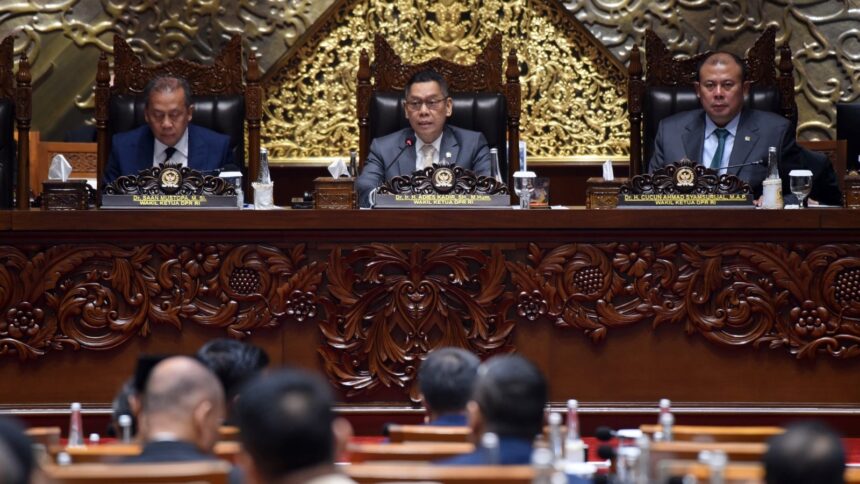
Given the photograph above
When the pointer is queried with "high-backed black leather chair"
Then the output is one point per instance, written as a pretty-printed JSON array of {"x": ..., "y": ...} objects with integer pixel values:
[
  {"x": 848, "y": 128},
  {"x": 224, "y": 99},
  {"x": 667, "y": 88},
  {"x": 15, "y": 111},
  {"x": 481, "y": 102}
]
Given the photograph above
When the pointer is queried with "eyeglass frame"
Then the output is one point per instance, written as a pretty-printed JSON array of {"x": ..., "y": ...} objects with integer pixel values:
[{"x": 416, "y": 105}]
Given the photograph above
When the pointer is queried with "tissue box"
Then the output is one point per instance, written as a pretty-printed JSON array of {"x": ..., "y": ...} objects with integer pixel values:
[
  {"x": 64, "y": 195},
  {"x": 602, "y": 194},
  {"x": 334, "y": 193}
]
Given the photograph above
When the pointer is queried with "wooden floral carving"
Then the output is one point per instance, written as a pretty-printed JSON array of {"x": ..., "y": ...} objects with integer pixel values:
[
  {"x": 100, "y": 296},
  {"x": 388, "y": 307},
  {"x": 802, "y": 298}
]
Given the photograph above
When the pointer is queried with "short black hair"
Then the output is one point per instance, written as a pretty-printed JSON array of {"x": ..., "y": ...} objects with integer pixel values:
[
  {"x": 740, "y": 62},
  {"x": 285, "y": 422},
  {"x": 427, "y": 75},
  {"x": 167, "y": 83},
  {"x": 511, "y": 393},
  {"x": 807, "y": 453},
  {"x": 18, "y": 452},
  {"x": 233, "y": 362},
  {"x": 446, "y": 379}
]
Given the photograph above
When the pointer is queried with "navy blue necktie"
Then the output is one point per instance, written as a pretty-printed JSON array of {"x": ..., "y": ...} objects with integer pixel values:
[{"x": 168, "y": 153}]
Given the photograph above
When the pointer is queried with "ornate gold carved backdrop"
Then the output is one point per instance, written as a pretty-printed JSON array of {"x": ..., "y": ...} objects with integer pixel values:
[
  {"x": 574, "y": 91},
  {"x": 824, "y": 36},
  {"x": 62, "y": 36}
]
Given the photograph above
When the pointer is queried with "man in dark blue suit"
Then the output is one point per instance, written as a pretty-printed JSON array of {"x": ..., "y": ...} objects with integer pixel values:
[
  {"x": 508, "y": 400},
  {"x": 446, "y": 379},
  {"x": 167, "y": 135}
]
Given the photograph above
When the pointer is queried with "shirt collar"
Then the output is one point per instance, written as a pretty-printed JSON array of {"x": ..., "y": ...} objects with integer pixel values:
[
  {"x": 732, "y": 125},
  {"x": 181, "y": 145},
  {"x": 437, "y": 143}
]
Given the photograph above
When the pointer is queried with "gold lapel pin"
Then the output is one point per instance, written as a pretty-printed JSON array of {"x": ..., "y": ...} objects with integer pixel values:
[{"x": 747, "y": 138}]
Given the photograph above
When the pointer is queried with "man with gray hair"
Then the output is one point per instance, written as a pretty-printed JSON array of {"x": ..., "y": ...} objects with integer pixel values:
[
  {"x": 167, "y": 136},
  {"x": 182, "y": 410}
]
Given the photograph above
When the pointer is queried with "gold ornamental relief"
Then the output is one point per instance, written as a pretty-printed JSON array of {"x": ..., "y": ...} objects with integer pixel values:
[
  {"x": 574, "y": 92},
  {"x": 823, "y": 35}
]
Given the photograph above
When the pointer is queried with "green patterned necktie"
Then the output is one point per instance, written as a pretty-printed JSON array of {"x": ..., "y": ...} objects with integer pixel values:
[{"x": 722, "y": 134}]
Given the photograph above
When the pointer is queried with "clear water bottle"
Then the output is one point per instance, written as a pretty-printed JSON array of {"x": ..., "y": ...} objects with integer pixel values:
[
  {"x": 574, "y": 447},
  {"x": 495, "y": 170},
  {"x": 490, "y": 444},
  {"x": 125, "y": 424},
  {"x": 76, "y": 428},
  {"x": 555, "y": 444},
  {"x": 264, "y": 177},
  {"x": 666, "y": 419}
]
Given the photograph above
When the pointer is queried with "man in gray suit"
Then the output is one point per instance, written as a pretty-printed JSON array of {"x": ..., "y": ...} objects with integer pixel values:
[
  {"x": 725, "y": 137},
  {"x": 428, "y": 140}
]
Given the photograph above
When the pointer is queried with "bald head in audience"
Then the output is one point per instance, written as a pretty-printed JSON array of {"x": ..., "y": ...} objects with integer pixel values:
[
  {"x": 807, "y": 453},
  {"x": 289, "y": 431},
  {"x": 183, "y": 401}
]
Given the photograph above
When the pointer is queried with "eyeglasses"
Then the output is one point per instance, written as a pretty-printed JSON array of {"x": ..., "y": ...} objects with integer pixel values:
[{"x": 432, "y": 104}]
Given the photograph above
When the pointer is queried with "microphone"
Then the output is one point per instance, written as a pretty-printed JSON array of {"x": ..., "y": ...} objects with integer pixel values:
[
  {"x": 756, "y": 162},
  {"x": 410, "y": 140}
]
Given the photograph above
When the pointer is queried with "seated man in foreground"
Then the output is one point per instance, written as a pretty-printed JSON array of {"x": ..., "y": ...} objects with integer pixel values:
[
  {"x": 446, "y": 379},
  {"x": 724, "y": 136},
  {"x": 289, "y": 431},
  {"x": 428, "y": 140},
  {"x": 807, "y": 453},
  {"x": 167, "y": 135},
  {"x": 182, "y": 410},
  {"x": 508, "y": 400}
]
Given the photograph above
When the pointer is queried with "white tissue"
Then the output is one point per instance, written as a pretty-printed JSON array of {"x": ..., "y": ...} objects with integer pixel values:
[
  {"x": 60, "y": 168},
  {"x": 608, "y": 175},
  {"x": 338, "y": 168}
]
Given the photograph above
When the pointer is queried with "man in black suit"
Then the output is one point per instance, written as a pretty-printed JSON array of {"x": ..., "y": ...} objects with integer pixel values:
[
  {"x": 182, "y": 410},
  {"x": 289, "y": 431}
]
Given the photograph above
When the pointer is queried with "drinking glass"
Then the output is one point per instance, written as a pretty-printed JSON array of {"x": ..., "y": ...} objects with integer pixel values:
[
  {"x": 800, "y": 182},
  {"x": 524, "y": 185},
  {"x": 263, "y": 195}
]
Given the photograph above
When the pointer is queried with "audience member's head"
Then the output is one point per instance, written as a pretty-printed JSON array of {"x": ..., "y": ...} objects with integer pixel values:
[
  {"x": 509, "y": 398},
  {"x": 16, "y": 455},
  {"x": 183, "y": 400},
  {"x": 427, "y": 104},
  {"x": 807, "y": 453},
  {"x": 446, "y": 379},
  {"x": 287, "y": 427},
  {"x": 233, "y": 362},
  {"x": 168, "y": 108}
]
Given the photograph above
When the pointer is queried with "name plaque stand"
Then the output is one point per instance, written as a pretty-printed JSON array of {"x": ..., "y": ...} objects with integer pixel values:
[
  {"x": 169, "y": 186},
  {"x": 685, "y": 184},
  {"x": 442, "y": 187}
]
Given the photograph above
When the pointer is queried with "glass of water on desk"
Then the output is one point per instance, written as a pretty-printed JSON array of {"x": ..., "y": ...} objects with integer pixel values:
[
  {"x": 800, "y": 182},
  {"x": 524, "y": 185}
]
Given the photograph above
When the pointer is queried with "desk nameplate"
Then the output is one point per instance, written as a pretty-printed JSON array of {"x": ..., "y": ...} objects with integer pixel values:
[
  {"x": 159, "y": 201},
  {"x": 685, "y": 200},
  {"x": 472, "y": 200}
]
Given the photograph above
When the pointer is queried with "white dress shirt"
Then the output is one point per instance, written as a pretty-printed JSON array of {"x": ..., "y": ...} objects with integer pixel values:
[
  {"x": 712, "y": 142},
  {"x": 180, "y": 157},
  {"x": 419, "y": 156}
]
